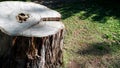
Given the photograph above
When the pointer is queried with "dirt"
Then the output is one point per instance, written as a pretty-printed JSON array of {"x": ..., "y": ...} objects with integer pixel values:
[{"x": 73, "y": 64}]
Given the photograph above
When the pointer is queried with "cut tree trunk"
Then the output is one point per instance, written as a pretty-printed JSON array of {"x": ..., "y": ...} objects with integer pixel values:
[
  {"x": 30, "y": 36},
  {"x": 31, "y": 52}
]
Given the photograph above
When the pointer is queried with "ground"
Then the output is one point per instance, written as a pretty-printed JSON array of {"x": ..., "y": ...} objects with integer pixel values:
[{"x": 92, "y": 36}]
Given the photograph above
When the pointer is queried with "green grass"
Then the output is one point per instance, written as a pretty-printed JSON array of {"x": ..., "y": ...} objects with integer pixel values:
[{"x": 92, "y": 36}]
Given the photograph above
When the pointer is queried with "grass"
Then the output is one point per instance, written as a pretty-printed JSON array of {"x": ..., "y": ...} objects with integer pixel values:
[{"x": 92, "y": 37}]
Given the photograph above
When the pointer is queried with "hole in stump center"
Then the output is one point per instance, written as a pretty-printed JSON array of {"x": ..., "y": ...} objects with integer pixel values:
[{"x": 21, "y": 17}]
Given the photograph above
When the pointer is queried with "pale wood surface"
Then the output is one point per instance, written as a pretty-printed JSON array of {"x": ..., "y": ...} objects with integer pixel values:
[
  {"x": 32, "y": 42},
  {"x": 33, "y": 26}
]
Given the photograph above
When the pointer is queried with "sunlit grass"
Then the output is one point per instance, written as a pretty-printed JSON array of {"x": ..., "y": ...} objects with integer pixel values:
[{"x": 91, "y": 36}]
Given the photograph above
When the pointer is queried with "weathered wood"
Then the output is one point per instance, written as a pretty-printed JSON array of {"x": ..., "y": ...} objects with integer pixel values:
[
  {"x": 17, "y": 17},
  {"x": 31, "y": 36},
  {"x": 32, "y": 52}
]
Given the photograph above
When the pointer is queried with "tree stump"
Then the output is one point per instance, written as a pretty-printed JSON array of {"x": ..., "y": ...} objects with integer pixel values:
[{"x": 31, "y": 36}]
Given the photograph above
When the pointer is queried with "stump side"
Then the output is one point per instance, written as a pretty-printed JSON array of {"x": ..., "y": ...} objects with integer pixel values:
[{"x": 32, "y": 52}]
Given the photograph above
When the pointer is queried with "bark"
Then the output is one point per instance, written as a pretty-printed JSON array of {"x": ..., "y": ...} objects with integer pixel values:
[
  {"x": 32, "y": 52},
  {"x": 31, "y": 36}
]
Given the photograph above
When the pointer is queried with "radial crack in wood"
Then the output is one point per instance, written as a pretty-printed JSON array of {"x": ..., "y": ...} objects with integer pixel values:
[
  {"x": 27, "y": 14},
  {"x": 31, "y": 36}
]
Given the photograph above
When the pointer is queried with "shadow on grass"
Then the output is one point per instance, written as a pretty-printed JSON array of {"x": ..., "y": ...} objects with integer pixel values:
[
  {"x": 100, "y": 49},
  {"x": 96, "y": 9},
  {"x": 13, "y": 0},
  {"x": 116, "y": 63}
]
